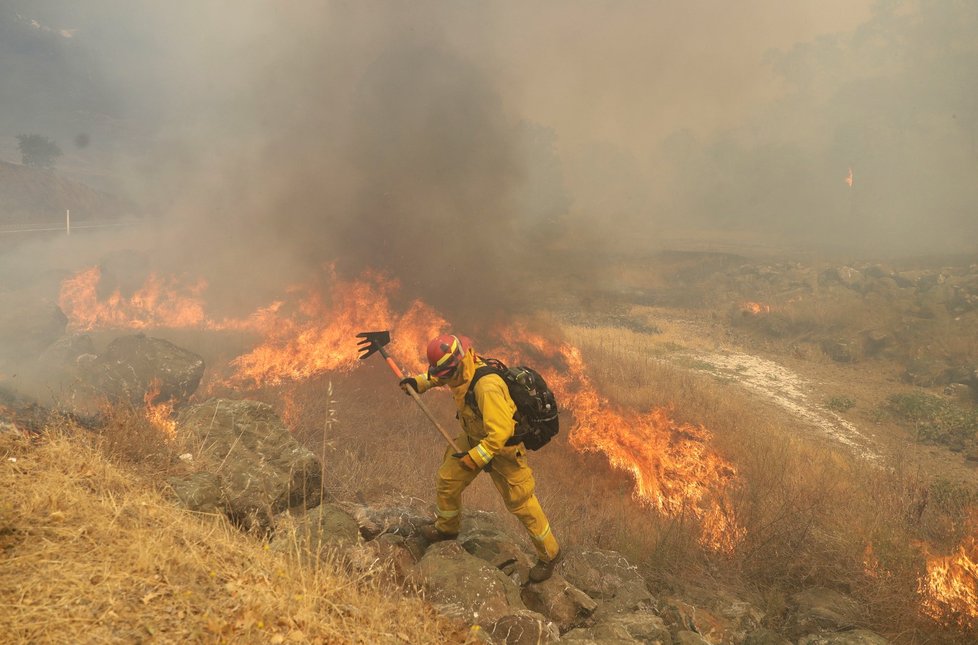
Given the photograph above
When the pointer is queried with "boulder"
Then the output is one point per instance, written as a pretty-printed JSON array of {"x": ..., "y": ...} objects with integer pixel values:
[
  {"x": 851, "y": 637},
  {"x": 684, "y": 637},
  {"x": 841, "y": 350},
  {"x": 764, "y": 636},
  {"x": 818, "y": 609},
  {"x": 606, "y": 634},
  {"x": 133, "y": 366},
  {"x": 401, "y": 515},
  {"x": 845, "y": 275},
  {"x": 559, "y": 601},
  {"x": 465, "y": 587},
  {"x": 498, "y": 549},
  {"x": 67, "y": 355},
  {"x": 327, "y": 525},
  {"x": 260, "y": 468},
  {"x": 397, "y": 554},
  {"x": 200, "y": 491},
  {"x": 925, "y": 372},
  {"x": 607, "y": 577},
  {"x": 522, "y": 627}
]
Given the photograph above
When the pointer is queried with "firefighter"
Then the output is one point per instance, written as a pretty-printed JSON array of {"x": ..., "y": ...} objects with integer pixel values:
[{"x": 452, "y": 363}]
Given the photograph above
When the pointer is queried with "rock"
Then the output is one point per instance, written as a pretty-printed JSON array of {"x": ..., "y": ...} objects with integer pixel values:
[
  {"x": 464, "y": 586},
  {"x": 328, "y": 525},
  {"x": 400, "y": 555},
  {"x": 874, "y": 342},
  {"x": 402, "y": 516},
  {"x": 845, "y": 275},
  {"x": 690, "y": 638},
  {"x": 764, "y": 636},
  {"x": 67, "y": 354},
  {"x": 853, "y": 637},
  {"x": 718, "y": 619},
  {"x": 132, "y": 366},
  {"x": 924, "y": 373},
  {"x": 522, "y": 627},
  {"x": 559, "y": 601},
  {"x": 199, "y": 491},
  {"x": 604, "y": 634},
  {"x": 644, "y": 626},
  {"x": 498, "y": 549},
  {"x": 262, "y": 470},
  {"x": 819, "y": 609},
  {"x": 841, "y": 350},
  {"x": 605, "y": 576}
]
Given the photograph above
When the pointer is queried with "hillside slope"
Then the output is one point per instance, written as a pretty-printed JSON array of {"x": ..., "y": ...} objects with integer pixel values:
[
  {"x": 31, "y": 195},
  {"x": 91, "y": 553}
]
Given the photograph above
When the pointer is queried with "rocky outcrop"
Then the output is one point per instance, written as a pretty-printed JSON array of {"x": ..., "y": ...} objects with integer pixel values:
[
  {"x": 132, "y": 366},
  {"x": 250, "y": 458},
  {"x": 464, "y": 586}
]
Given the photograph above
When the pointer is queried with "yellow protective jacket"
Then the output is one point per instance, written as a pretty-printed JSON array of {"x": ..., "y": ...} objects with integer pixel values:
[{"x": 488, "y": 432}]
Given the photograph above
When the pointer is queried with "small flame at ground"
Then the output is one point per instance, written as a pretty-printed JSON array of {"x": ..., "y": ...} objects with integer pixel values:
[
  {"x": 950, "y": 588},
  {"x": 755, "y": 308},
  {"x": 159, "y": 414}
]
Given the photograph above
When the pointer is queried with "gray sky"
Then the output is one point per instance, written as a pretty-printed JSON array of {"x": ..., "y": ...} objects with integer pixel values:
[{"x": 439, "y": 140}]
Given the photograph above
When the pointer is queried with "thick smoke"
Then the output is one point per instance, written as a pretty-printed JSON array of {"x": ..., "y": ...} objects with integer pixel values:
[{"x": 453, "y": 145}]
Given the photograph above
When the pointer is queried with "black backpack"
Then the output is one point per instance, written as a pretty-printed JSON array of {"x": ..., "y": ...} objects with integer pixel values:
[{"x": 536, "y": 408}]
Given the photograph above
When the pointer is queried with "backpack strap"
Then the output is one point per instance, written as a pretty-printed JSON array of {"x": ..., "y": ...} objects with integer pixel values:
[{"x": 492, "y": 366}]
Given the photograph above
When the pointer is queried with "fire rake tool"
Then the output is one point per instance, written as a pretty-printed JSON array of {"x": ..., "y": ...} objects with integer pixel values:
[{"x": 374, "y": 341}]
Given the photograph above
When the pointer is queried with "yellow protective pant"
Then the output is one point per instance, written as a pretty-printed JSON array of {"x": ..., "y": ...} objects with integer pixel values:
[{"x": 514, "y": 481}]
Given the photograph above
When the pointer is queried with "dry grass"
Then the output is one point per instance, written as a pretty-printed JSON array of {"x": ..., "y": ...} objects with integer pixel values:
[
  {"x": 92, "y": 553},
  {"x": 813, "y": 515}
]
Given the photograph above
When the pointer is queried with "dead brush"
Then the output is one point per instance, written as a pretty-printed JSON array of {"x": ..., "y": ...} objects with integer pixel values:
[
  {"x": 814, "y": 516},
  {"x": 94, "y": 554}
]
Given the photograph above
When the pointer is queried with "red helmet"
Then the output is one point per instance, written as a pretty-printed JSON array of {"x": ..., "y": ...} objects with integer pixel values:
[{"x": 444, "y": 356}]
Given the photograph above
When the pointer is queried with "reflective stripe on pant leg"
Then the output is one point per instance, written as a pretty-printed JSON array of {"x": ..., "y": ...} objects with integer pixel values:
[
  {"x": 533, "y": 518},
  {"x": 522, "y": 503}
]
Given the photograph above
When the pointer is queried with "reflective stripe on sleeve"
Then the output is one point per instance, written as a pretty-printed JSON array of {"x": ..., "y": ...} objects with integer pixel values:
[{"x": 483, "y": 454}]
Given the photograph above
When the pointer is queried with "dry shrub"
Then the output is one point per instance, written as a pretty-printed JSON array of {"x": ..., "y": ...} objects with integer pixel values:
[
  {"x": 93, "y": 554},
  {"x": 126, "y": 436},
  {"x": 813, "y": 514}
]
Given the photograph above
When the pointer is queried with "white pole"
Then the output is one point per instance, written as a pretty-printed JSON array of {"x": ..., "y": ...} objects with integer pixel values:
[{"x": 68, "y": 221}]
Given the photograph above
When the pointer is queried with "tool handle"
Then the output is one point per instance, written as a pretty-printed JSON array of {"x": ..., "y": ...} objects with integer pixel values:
[
  {"x": 424, "y": 408},
  {"x": 417, "y": 399}
]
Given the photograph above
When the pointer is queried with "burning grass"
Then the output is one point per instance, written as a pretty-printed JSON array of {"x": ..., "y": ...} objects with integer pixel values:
[
  {"x": 809, "y": 512},
  {"x": 92, "y": 553}
]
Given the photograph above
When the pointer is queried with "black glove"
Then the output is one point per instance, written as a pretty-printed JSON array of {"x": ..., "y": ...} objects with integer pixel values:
[{"x": 410, "y": 381}]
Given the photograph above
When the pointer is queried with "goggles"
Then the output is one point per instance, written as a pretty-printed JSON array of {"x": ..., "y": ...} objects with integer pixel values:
[{"x": 446, "y": 369}]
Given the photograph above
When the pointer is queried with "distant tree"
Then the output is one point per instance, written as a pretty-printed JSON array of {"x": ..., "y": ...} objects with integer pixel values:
[{"x": 37, "y": 151}]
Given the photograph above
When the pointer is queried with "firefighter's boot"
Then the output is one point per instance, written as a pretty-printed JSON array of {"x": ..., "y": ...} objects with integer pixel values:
[
  {"x": 543, "y": 569},
  {"x": 432, "y": 535}
]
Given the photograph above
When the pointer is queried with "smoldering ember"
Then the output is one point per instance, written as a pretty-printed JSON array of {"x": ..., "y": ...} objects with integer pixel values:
[{"x": 255, "y": 264}]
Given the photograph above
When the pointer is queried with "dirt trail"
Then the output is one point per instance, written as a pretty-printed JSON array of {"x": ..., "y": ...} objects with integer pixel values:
[{"x": 790, "y": 391}]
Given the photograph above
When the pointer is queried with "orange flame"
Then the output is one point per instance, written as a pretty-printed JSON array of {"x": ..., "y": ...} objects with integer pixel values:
[
  {"x": 320, "y": 337},
  {"x": 950, "y": 588},
  {"x": 672, "y": 465},
  {"x": 849, "y": 178},
  {"x": 158, "y": 304},
  {"x": 755, "y": 308},
  {"x": 674, "y": 469},
  {"x": 159, "y": 414}
]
